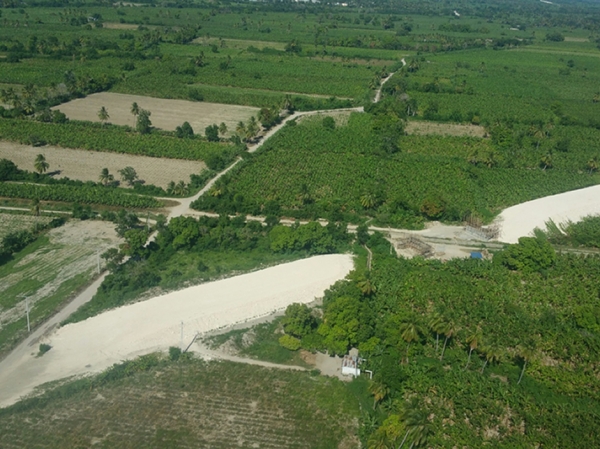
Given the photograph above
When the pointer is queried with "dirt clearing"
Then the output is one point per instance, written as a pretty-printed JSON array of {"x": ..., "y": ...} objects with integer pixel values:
[
  {"x": 520, "y": 220},
  {"x": 444, "y": 129},
  {"x": 155, "y": 324},
  {"x": 166, "y": 114},
  {"x": 238, "y": 43},
  {"x": 86, "y": 165}
]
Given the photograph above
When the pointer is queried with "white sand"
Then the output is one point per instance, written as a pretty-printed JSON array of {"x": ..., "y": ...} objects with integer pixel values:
[
  {"x": 522, "y": 219},
  {"x": 155, "y": 324}
]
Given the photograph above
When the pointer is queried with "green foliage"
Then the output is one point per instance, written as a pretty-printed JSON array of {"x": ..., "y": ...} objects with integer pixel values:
[
  {"x": 485, "y": 314},
  {"x": 529, "y": 255},
  {"x": 92, "y": 136},
  {"x": 585, "y": 232},
  {"x": 184, "y": 131},
  {"x": 196, "y": 250},
  {"x": 289, "y": 342},
  {"x": 343, "y": 174},
  {"x": 77, "y": 194},
  {"x": 298, "y": 320},
  {"x": 174, "y": 353},
  {"x": 44, "y": 348},
  {"x": 212, "y": 133}
]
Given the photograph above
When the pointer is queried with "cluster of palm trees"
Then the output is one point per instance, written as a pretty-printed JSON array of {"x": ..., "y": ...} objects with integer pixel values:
[
  {"x": 179, "y": 189},
  {"x": 411, "y": 332},
  {"x": 249, "y": 130},
  {"x": 409, "y": 428}
]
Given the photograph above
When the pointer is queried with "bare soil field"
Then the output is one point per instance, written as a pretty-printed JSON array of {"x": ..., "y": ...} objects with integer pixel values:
[
  {"x": 444, "y": 129},
  {"x": 166, "y": 114},
  {"x": 576, "y": 39},
  {"x": 86, "y": 165},
  {"x": 239, "y": 43}
]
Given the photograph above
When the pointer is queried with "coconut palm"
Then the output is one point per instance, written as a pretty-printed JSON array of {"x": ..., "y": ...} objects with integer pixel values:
[
  {"x": 40, "y": 164},
  {"x": 592, "y": 164},
  {"x": 448, "y": 332},
  {"x": 252, "y": 127},
  {"x": 546, "y": 161},
  {"x": 103, "y": 115},
  {"x": 437, "y": 324},
  {"x": 417, "y": 426},
  {"x": 35, "y": 207},
  {"x": 180, "y": 189},
  {"x": 473, "y": 340},
  {"x": 222, "y": 129},
  {"x": 368, "y": 200},
  {"x": 379, "y": 392},
  {"x": 410, "y": 332},
  {"x": 135, "y": 111},
  {"x": 366, "y": 286},
  {"x": 491, "y": 354},
  {"x": 105, "y": 177},
  {"x": 241, "y": 129},
  {"x": 525, "y": 354}
]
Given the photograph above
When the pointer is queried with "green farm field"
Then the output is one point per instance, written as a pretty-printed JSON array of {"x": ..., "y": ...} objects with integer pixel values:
[
  {"x": 151, "y": 402},
  {"x": 310, "y": 171}
]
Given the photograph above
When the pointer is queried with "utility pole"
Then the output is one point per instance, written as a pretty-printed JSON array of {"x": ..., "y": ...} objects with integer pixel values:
[
  {"x": 181, "y": 345},
  {"x": 27, "y": 309}
]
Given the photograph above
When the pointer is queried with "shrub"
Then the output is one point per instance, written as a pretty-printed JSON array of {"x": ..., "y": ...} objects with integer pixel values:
[
  {"x": 44, "y": 348},
  {"x": 289, "y": 342}
]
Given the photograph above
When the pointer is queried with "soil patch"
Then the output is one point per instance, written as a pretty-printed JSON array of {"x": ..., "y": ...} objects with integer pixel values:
[
  {"x": 166, "y": 114},
  {"x": 86, "y": 165},
  {"x": 444, "y": 129}
]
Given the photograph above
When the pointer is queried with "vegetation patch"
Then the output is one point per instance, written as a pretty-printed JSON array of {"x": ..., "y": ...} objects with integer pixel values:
[{"x": 219, "y": 405}]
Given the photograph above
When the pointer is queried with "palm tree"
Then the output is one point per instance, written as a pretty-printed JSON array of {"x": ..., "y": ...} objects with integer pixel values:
[
  {"x": 409, "y": 332},
  {"x": 252, "y": 127},
  {"x": 222, "y": 129},
  {"x": 473, "y": 341},
  {"x": 592, "y": 164},
  {"x": 103, "y": 115},
  {"x": 366, "y": 286},
  {"x": 368, "y": 200},
  {"x": 40, "y": 164},
  {"x": 135, "y": 111},
  {"x": 525, "y": 354},
  {"x": 546, "y": 161},
  {"x": 35, "y": 207},
  {"x": 180, "y": 189},
  {"x": 241, "y": 129},
  {"x": 448, "y": 331},
  {"x": 417, "y": 426},
  {"x": 105, "y": 177},
  {"x": 491, "y": 354},
  {"x": 437, "y": 324},
  {"x": 379, "y": 392},
  {"x": 378, "y": 440}
]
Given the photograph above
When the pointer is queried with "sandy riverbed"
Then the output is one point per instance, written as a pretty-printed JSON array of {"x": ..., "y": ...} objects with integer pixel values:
[{"x": 97, "y": 343}]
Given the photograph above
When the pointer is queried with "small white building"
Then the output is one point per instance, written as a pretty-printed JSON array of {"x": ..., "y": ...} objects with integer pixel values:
[{"x": 350, "y": 366}]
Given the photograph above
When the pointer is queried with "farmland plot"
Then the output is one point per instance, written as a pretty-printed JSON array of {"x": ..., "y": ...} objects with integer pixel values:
[
  {"x": 421, "y": 128},
  {"x": 86, "y": 165},
  {"x": 12, "y": 222},
  {"x": 166, "y": 114},
  {"x": 47, "y": 272},
  {"x": 192, "y": 404}
]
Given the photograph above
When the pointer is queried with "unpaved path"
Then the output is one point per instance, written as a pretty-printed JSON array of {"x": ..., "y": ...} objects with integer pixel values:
[
  {"x": 383, "y": 81},
  {"x": 155, "y": 324}
]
